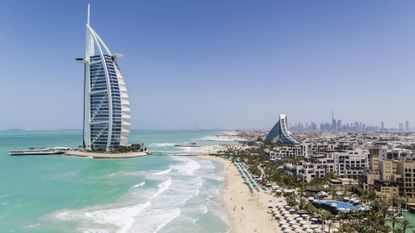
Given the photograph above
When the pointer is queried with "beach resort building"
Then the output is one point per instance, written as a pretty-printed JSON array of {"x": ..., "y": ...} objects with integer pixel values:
[
  {"x": 287, "y": 151},
  {"x": 373, "y": 159},
  {"x": 279, "y": 133},
  {"x": 386, "y": 190},
  {"x": 395, "y": 154},
  {"x": 395, "y": 178},
  {"x": 314, "y": 166},
  {"x": 106, "y": 104},
  {"x": 320, "y": 148},
  {"x": 406, "y": 169},
  {"x": 351, "y": 164}
]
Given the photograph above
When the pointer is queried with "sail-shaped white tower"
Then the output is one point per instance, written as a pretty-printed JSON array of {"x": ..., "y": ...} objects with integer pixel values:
[{"x": 107, "y": 117}]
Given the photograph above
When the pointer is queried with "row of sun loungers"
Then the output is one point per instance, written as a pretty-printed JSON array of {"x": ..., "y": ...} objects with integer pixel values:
[{"x": 242, "y": 168}]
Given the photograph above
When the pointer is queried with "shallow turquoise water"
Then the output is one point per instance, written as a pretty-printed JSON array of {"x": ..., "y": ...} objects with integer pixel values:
[{"x": 149, "y": 194}]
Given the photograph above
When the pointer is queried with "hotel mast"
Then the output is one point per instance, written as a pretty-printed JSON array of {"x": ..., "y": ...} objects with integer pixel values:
[{"x": 107, "y": 117}]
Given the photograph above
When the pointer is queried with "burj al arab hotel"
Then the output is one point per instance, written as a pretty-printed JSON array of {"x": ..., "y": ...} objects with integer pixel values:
[{"x": 107, "y": 117}]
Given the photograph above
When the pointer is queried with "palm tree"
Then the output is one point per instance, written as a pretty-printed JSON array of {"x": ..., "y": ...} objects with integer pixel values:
[
  {"x": 393, "y": 218},
  {"x": 402, "y": 203},
  {"x": 406, "y": 225}
]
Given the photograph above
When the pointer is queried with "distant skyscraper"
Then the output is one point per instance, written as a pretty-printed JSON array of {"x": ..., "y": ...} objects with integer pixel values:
[
  {"x": 106, "y": 104},
  {"x": 333, "y": 121},
  {"x": 279, "y": 133},
  {"x": 382, "y": 126},
  {"x": 406, "y": 125},
  {"x": 400, "y": 126}
]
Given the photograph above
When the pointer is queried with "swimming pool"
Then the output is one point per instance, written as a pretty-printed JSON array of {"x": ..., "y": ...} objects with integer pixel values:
[{"x": 337, "y": 205}]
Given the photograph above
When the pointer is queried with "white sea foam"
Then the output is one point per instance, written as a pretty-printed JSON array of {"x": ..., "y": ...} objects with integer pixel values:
[
  {"x": 168, "y": 219},
  {"x": 215, "y": 177},
  {"x": 223, "y": 138},
  {"x": 158, "y": 173},
  {"x": 123, "y": 173},
  {"x": 122, "y": 217},
  {"x": 32, "y": 226},
  {"x": 188, "y": 168},
  {"x": 162, "y": 187},
  {"x": 231, "y": 133},
  {"x": 189, "y": 149},
  {"x": 154, "y": 220},
  {"x": 182, "y": 194},
  {"x": 166, "y": 144},
  {"x": 141, "y": 184}
]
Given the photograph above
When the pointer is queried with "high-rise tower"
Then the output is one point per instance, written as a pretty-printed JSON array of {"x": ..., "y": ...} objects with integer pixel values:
[{"x": 106, "y": 105}]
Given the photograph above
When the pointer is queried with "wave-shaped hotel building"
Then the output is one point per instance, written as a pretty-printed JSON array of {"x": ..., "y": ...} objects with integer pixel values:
[
  {"x": 279, "y": 133},
  {"x": 107, "y": 117}
]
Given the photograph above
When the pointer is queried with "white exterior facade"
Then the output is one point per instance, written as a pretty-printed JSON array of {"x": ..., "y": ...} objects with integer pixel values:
[
  {"x": 351, "y": 164},
  {"x": 313, "y": 168},
  {"x": 348, "y": 164},
  {"x": 288, "y": 151},
  {"x": 107, "y": 117}
]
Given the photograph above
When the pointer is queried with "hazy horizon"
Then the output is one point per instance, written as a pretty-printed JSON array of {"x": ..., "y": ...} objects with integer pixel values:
[{"x": 216, "y": 64}]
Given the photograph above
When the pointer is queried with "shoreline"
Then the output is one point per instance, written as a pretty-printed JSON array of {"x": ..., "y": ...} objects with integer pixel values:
[
  {"x": 247, "y": 211},
  {"x": 93, "y": 155}
]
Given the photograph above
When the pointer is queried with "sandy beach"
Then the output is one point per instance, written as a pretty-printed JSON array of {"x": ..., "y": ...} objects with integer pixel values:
[{"x": 247, "y": 211}]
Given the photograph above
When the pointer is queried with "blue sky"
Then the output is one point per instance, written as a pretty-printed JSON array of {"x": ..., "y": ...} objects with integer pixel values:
[{"x": 213, "y": 64}]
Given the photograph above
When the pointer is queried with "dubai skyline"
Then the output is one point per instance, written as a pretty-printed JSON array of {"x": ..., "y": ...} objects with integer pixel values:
[
  {"x": 228, "y": 116},
  {"x": 216, "y": 64}
]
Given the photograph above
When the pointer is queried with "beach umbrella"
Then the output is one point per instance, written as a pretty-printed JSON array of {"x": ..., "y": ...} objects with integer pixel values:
[{"x": 309, "y": 230}]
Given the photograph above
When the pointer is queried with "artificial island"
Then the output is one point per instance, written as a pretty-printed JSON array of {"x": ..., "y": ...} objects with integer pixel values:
[{"x": 107, "y": 113}]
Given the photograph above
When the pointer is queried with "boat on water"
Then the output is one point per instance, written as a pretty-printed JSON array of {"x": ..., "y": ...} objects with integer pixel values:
[{"x": 40, "y": 151}]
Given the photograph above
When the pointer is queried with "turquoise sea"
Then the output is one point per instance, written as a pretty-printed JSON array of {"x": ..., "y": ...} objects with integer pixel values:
[{"x": 149, "y": 194}]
